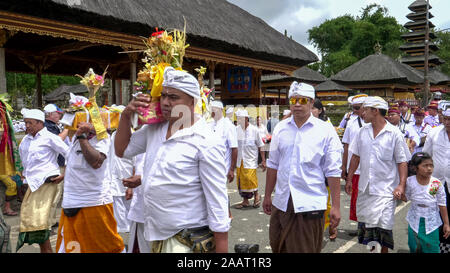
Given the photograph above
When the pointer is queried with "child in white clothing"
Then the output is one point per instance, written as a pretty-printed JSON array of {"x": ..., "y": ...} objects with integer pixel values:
[{"x": 427, "y": 197}]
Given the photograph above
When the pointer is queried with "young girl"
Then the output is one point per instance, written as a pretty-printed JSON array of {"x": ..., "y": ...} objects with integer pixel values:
[{"x": 427, "y": 197}]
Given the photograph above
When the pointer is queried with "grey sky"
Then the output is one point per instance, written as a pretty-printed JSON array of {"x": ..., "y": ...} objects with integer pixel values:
[{"x": 297, "y": 16}]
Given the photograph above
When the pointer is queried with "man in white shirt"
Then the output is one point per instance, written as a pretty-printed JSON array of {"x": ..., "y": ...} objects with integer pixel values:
[
  {"x": 39, "y": 151},
  {"x": 381, "y": 152},
  {"x": 352, "y": 129},
  {"x": 185, "y": 189},
  {"x": 437, "y": 145},
  {"x": 348, "y": 116},
  {"x": 226, "y": 131},
  {"x": 136, "y": 241},
  {"x": 119, "y": 169},
  {"x": 411, "y": 137},
  {"x": 304, "y": 151},
  {"x": 421, "y": 128},
  {"x": 88, "y": 214},
  {"x": 250, "y": 144}
]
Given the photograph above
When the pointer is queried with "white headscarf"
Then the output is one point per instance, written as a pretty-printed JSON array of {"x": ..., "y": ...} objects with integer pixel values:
[
  {"x": 33, "y": 114},
  {"x": 376, "y": 102},
  {"x": 302, "y": 89},
  {"x": 230, "y": 110},
  {"x": 242, "y": 113},
  {"x": 446, "y": 112},
  {"x": 358, "y": 99},
  {"x": 182, "y": 81},
  {"x": 217, "y": 104}
]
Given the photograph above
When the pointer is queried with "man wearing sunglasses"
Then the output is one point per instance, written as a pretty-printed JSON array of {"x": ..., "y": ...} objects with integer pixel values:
[
  {"x": 352, "y": 130},
  {"x": 304, "y": 151}
]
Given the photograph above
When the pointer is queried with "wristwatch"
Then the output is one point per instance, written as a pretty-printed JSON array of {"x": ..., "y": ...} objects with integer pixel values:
[{"x": 82, "y": 136}]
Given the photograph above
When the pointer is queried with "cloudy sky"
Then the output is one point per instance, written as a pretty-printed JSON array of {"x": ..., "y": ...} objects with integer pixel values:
[{"x": 297, "y": 16}]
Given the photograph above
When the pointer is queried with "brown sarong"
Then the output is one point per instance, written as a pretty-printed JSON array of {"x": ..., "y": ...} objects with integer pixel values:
[{"x": 292, "y": 232}]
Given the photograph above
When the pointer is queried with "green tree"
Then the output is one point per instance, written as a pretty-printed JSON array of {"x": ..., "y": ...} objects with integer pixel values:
[
  {"x": 21, "y": 85},
  {"x": 443, "y": 42},
  {"x": 344, "y": 40}
]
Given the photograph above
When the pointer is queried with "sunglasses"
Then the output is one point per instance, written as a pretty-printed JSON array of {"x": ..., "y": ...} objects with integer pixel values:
[
  {"x": 302, "y": 101},
  {"x": 356, "y": 107}
]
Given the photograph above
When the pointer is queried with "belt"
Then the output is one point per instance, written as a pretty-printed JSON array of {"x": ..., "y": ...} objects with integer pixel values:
[{"x": 313, "y": 214}]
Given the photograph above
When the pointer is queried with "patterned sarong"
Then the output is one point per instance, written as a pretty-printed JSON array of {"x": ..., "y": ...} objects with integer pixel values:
[
  {"x": 368, "y": 235},
  {"x": 4, "y": 235}
]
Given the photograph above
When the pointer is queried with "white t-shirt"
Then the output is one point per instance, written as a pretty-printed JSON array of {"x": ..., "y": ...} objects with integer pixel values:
[{"x": 85, "y": 186}]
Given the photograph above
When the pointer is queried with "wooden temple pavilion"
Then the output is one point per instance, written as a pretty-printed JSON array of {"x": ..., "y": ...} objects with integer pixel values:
[
  {"x": 415, "y": 38},
  {"x": 380, "y": 75},
  {"x": 275, "y": 87},
  {"x": 332, "y": 92},
  {"x": 67, "y": 37}
]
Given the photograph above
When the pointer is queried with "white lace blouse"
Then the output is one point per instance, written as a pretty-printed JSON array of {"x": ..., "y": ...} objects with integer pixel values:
[{"x": 425, "y": 202}]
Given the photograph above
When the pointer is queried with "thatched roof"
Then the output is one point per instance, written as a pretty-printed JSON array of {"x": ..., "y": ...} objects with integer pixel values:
[
  {"x": 331, "y": 86},
  {"x": 414, "y": 34},
  {"x": 418, "y": 5},
  {"x": 303, "y": 74},
  {"x": 62, "y": 92},
  {"x": 415, "y": 24},
  {"x": 420, "y": 45},
  {"x": 378, "y": 68},
  {"x": 212, "y": 24},
  {"x": 419, "y": 15},
  {"x": 437, "y": 77},
  {"x": 421, "y": 59}
]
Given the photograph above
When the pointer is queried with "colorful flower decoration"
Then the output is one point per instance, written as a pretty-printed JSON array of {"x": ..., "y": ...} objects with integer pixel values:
[{"x": 434, "y": 187}]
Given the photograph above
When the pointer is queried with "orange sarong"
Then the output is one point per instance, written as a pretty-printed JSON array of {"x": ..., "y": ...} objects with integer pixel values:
[{"x": 92, "y": 230}]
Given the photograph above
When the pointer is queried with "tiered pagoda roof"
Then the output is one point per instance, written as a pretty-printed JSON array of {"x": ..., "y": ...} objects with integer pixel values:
[{"x": 415, "y": 39}]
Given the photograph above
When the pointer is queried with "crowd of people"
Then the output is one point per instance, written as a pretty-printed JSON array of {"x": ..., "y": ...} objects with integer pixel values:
[{"x": 166, "y": 183}]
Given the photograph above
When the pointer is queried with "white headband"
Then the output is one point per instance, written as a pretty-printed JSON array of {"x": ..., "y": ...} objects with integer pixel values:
[
  {"x": 358, "y": 99},
  {"x": 376, "y": 102},
  {"x": 33, "y": 114},
  {"x": 242, "y": 113},
  {"x": 217, "y": 104},
  {"x": 182, "y": 81},
  {"x": 302, "y": 89}
]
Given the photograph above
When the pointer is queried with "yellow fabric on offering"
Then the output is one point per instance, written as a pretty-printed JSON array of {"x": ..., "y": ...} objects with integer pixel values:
[
  {"x": 114, "y": 118},
  {"x": 97, "y": 120},
  {"x": 247, "y": 178},
  {"x": 11, "y": 187}
]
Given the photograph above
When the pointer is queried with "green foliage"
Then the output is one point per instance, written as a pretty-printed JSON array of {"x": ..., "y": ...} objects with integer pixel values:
[
  {"x": 443, "y": 42},
  {"x": 344, "y": 40},
  {"x": 20, "y": 85}
]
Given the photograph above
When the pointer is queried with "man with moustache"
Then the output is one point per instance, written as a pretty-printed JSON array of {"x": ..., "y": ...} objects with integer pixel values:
[
  {"x": 304, "y": 151},
  {"x": 381, "y": 152},
  {"x": 411, "y": 136},
  {"x": 39, "y": 151},
  {"x": 185, "y": 193}
]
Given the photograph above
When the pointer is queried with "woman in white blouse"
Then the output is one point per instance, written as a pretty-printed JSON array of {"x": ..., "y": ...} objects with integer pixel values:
[{"x": 427, "y": 197}]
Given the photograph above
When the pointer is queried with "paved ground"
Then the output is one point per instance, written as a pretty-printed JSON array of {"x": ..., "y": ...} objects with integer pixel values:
[{"x": 251, "y": 226}]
